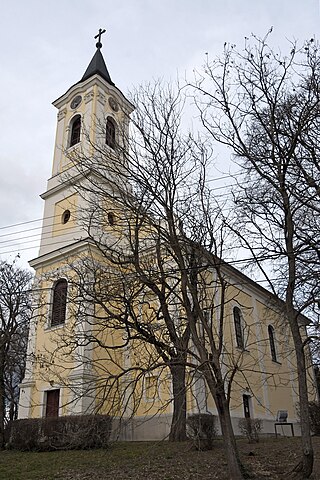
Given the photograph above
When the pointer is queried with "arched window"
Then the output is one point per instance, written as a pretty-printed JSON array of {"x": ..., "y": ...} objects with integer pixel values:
[
  {"x": 272, "y": 343},
  {"x": 59, "y": 302},
  {"x": 75, "y": 130},
  {"x": 111, "y": 132},
  {"x": 238, "y": 327}
]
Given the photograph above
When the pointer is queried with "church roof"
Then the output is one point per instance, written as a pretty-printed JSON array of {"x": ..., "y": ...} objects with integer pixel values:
[{"x": 97, "y": 66}]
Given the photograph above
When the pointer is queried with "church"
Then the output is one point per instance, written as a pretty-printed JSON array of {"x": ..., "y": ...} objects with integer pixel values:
[{"x": 106, "y": 349}]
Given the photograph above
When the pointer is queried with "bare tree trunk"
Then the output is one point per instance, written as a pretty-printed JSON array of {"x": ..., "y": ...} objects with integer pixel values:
[
  {"x": 179, "y": 416},
  {"x": 233, "y": 460},
  {"x": 12, "y": 411},
  {"x": 2, "y": 397},
  {"x": 307, "y": 449},
  {"x": 305, "y": 467}
]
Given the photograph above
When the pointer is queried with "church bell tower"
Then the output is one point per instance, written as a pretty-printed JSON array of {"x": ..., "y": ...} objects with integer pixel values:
[{"x": 92, "y": 101}]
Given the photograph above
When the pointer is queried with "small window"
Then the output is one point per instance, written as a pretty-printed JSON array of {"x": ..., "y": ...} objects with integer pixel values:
[
  {"x": 272, "y": 343},
  {"x": 59, "y": 303},
  {"x": 65, "y": 217},
  {"x": 75, "y": 130},
  {"x": 111, "y": 133},
  {"x": 238, "y": 327},
  {"x": 52, "y": 403}
]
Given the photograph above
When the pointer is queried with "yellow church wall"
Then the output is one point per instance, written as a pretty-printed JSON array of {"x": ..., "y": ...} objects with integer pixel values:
[
  {"x": 271, "y": 385},
  {"x": 140, "y": 382},
  {"x": 52, "y": 363},
  {"x": 51, "y": 368},
  {"x": 60, "y": 226},
  {"x": 38, "y": 393},
  {"x": 50, "y": 341},
  {"x": 268, "y": 383}
]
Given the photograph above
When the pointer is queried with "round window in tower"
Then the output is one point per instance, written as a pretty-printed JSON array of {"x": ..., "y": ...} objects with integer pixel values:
[{"x": 65, "y": 217}]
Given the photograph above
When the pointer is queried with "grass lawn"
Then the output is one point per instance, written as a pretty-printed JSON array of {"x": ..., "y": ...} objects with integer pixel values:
[{"x": 270, "y": 459}]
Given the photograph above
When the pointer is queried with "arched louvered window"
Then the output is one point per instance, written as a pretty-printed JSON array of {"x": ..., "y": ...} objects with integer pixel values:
[
  {"x": 111, "y": 132},
  {"x": 59, "y": 302},
  {"x": 75, "y": 130},
  {"x": 272, "y": 343},
  {"x": 238, "y": 327}
]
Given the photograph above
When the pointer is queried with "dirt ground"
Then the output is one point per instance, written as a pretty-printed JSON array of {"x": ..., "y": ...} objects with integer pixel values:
[{"x": 270, "y": 459}]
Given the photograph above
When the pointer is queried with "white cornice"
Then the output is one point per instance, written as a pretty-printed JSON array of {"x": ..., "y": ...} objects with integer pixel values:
[
  {"x": 61, "y": 185},
  {"x": 61, "y": 253},
  {"x": 85, "y": 85}
]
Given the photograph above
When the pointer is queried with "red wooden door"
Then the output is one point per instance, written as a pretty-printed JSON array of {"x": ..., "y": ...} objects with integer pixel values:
[{"x": 52, "y": 405}]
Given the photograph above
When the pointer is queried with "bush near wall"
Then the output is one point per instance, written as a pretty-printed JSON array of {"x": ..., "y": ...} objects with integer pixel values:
[
  {"x": 61, "y": 433},
  {"x": 251, "y": 428},
  {"x": 314, "y": 413},
  {"x": 202, "y": 429}
]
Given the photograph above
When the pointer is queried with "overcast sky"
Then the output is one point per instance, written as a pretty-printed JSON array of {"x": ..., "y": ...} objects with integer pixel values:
[{"x": 46, "y": 46}]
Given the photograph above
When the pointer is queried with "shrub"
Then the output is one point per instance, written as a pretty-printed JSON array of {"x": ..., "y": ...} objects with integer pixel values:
[
  {"x": 250, "y": 428},
  {"x": 314, "y": 413},
  {"x": 61, "y": 433},
  {"x": 24, "y": 434},
  {"x": 201, "y": 428}
]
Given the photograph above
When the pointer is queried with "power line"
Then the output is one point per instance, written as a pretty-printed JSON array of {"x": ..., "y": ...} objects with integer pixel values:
[
  {"x": 222, "y": 187},
  {"x": 45, "y": 235},
  {"x": 42, "y": 235},
  {"x": 53, "y": 216},
  {"x": 63, "y": 243},
  {"x": 21, "y": 223}
]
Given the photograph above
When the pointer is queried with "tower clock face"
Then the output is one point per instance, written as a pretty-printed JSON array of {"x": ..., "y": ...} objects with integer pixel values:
[
  {"x": 75, "y": 102},
  {"x": 113, "y": 104}
]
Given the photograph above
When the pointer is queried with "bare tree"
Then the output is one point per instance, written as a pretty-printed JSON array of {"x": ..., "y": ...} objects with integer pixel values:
[
  {"x": 264, "y": 106},
  {"x": 15, "y": 369},
  {"x": 15, "y": 309},
  {"x": 157, "y": 243}
]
